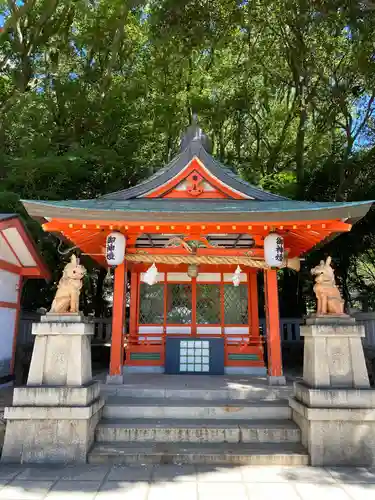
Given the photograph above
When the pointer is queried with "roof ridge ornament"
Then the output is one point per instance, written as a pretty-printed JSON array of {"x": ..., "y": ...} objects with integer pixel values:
[{"x": 194, "y": 133}]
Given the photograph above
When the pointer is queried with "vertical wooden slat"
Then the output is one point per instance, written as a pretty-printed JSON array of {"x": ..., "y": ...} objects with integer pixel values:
[
  {"x": 289, "y": 331},
  {"x": 109, "y": 330},
  {"x": 99, "y": 330},
  {"x": 298, "y": 330},
  {"x": 105, "y": 329}
]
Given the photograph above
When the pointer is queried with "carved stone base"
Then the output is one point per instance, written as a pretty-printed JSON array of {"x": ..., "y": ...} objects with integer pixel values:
[
  {"x": 334, "y": 406},
  {"x": 333, "y": 353},
  {"x": 51, "y": 424},
  {"x": 62, "y": 351},
  {"x": 53, "y": 418},
  {"x": 337, "y": 425}
]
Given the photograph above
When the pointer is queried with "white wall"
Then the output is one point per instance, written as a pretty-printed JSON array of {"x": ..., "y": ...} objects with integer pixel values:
[
  {"x": 6, "y": 252},
  {"x": 9, "y": 283},
  {"x": 8, "y": 286},
  {"x": 7, "y": 325}
]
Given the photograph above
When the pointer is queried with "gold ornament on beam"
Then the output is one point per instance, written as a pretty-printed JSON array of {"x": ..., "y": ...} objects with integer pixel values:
[
  {"x": 192, "y": 271},
  {"x": 293, "y": 263},
  {"x": 177, "y": 242}
]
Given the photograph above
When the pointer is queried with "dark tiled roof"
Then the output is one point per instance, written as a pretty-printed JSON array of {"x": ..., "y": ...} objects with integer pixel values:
[
  {"x": 196, "y": 210},
  {"x": 7, "y": 216},
  {"x": 194, "y": 148},
  {"x": 187, "y": 205}
]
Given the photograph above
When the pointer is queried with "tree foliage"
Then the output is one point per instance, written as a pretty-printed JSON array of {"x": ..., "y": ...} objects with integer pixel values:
[{"x": 94, "y": 96}]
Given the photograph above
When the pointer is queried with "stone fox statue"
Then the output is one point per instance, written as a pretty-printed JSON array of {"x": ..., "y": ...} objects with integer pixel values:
[
  {"x": 326, "y": 291},
  {"x": 69, "y": 287}
]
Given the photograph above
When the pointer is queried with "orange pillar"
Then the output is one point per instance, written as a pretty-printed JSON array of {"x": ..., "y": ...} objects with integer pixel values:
[
  {"x": 275, "y": 369},
  {"x": 118, "y": 321},
  {"x": 253, "y": 304}
]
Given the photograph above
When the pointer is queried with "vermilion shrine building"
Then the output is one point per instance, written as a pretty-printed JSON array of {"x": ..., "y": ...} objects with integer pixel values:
[{"x": 197, "y": 221}]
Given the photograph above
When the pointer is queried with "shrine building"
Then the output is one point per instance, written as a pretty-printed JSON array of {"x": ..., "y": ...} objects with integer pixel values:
[{"x": 193, "y": 238}]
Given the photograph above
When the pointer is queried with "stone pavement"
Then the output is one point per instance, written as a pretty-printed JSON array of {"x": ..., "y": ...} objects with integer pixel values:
[{"x": 167, "y": 482}]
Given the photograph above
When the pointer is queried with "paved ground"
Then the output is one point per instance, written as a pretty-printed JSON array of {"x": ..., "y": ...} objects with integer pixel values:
[{"x": 90, "y": 482}]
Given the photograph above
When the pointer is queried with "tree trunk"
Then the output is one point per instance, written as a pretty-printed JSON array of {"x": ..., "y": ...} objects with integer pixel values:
[
  {"x": 238, "y": 135},
  {"x": 277, "y": 148},
  {"x": 221, "y": 143},
  {"x": 300, "y": 146},
  {"x": 340, "y": 193}
]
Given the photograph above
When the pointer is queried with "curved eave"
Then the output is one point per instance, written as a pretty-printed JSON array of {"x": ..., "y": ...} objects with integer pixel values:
[{"x": 235, "y": 213}]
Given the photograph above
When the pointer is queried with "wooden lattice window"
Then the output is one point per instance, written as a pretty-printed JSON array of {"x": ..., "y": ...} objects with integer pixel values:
[
  {"x": 151, "y": 306},
  {"x": 236, "y": 305},
  {"x": 179, "y": 303},
  {"x": 208, "y": 304}
]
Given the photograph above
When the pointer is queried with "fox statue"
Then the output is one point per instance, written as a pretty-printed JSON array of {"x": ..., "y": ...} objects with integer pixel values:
[{"x": 67, "y": 295}]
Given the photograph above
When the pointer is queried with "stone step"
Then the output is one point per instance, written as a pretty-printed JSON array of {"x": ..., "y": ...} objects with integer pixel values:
[
  {"x": 120, "y": 407},
  {"x": 196, "y": 431},
  {"x": 236, "y": 391},
  {"x": 196, "y": 453}
]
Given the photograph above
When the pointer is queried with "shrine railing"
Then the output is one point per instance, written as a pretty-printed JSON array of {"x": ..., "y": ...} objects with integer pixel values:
[
  {"x": 367, "y": 319},
  {"x": 289, "y": 328},
  {"x": 102, "y": 329},
  {"x": 24, "y": 328}
]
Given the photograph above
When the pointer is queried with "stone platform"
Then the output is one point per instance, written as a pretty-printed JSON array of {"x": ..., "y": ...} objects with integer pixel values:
[{"x": 197, "y": 419}]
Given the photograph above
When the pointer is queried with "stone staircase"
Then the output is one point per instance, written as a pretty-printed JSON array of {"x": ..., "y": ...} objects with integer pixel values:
[{"x": 198, "y": 426}]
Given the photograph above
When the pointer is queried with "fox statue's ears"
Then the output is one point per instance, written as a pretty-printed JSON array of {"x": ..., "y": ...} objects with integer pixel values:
[{"x": 74, "y": 260}]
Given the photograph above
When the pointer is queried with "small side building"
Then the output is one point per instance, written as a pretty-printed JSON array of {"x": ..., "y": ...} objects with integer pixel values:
[{"x": 19, "y": 260}]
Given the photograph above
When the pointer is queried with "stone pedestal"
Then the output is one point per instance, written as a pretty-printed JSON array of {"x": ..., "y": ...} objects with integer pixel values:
[
  {"x": 334, "y": 405},
  {"x": 333, "y": 355},
  {"x": 53, "y": 418}
]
